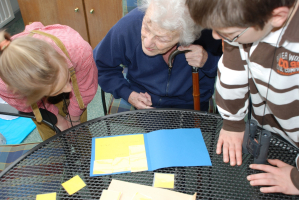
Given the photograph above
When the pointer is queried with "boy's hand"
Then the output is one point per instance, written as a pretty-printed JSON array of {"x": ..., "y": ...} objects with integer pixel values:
[
  {"x": 277, "y": 177},
  {"x": 232, "y": 146}
]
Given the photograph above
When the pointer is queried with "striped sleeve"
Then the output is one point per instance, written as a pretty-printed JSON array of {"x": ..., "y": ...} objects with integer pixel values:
[{"x": 232, "y": 87}]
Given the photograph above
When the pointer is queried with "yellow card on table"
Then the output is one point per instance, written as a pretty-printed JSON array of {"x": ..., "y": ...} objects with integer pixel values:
[
  {"x": 115, "y": 147},
  {"x": 136, "y": 149},
  {"x": 110, "y": 195},
  {"x": 120, "y": 154},
  {"x": 121, "y": 164},
  {"x": 48, "y": 196},
  {"x": 73, "y": 185},
  {"x": 140, "y": 196},
  {"x": 102, "y": 166},
  {"x": 164, "y": 180},
  {"x": 138, "y": 163}
]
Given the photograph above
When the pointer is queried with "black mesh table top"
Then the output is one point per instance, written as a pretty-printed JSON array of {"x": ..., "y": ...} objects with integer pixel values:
[{"x": 44, "y": 168}]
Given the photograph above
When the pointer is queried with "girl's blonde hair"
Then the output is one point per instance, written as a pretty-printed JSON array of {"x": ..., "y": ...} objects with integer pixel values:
[{"x": 30, "y": 67}]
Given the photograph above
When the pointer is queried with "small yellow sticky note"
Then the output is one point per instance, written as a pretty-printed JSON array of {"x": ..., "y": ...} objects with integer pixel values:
[
  {"x": 138, "y": 162},
  {"x": 140, "y": 196},
  {"x": 164, "y": 180},
  {"x": 73, "y": 185},
  {"x": 136, "y": 149},
  {"x": 121, "y": 164},
  {"x": 48, "y": 196},
  {"x": 102, "y": 166},
  {"x": 110, "y": 195}
]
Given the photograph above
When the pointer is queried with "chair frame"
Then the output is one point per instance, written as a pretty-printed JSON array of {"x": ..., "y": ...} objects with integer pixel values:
[
  {"x": 104, "y": 102},
  {"x": 48, "y": 117}
]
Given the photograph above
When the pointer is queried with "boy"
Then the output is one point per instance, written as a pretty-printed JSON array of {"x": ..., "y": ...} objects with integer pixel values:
[{"x": 261, "y": 59}]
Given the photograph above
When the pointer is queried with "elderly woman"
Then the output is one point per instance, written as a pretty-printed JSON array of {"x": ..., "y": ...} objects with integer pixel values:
[
  {"x": 143, "y": 41},
  {"x": 40, "y": 64}
]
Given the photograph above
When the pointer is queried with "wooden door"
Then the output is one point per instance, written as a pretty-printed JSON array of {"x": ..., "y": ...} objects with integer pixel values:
[
  {"x": 56, "y": 12},
  {"x": 105, "y": 14},
  {"x": 72, "y": 13},
  {"x": 44, "y": 11}
]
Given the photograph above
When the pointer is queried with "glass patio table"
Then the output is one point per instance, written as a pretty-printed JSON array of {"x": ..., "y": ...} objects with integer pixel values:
[{"x": 58, "y": 159}]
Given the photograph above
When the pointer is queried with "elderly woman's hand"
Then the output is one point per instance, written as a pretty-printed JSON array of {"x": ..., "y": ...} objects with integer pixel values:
[
  {"x": 140, "y": 100},
  {"x": 197, "y": 57}
]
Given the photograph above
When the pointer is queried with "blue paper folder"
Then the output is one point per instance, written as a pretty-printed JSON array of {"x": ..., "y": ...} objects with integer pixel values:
[
  {"x": 16, "y": 130},
  {"x": 170, "y": 148}
]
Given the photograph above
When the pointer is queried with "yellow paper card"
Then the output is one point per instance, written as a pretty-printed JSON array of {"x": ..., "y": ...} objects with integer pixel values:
[
  {"x": 121, "y": 164},
  {"x": 73, "y": 185},
  {"x": 136, "y": 149},
  {"x": 164, "y": 180},
  {"x": 115, "y": 147},
  {"x": 48, "y": 196},
  {"x": 138, "y": 162},
  {"x": 140, "y": 196},
  {"x": 102, "y": 166},
  {"x": 110, "y": 195}
]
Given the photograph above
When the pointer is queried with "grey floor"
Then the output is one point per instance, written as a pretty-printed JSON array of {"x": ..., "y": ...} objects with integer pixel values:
[{"x": 94, "y": 109}]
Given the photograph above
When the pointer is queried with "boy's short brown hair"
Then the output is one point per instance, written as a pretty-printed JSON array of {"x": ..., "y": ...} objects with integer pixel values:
[{"x": 234, "y": 13}]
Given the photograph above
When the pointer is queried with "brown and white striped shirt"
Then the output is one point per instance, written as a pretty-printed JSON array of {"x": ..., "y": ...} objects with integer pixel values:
[{"x": 270, "y": 75}]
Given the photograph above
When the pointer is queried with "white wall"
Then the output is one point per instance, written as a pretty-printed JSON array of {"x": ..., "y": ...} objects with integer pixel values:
[{"x": 15, "y": 5}]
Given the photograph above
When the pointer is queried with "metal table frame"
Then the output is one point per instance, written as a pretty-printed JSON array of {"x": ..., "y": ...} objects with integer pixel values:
[{"x": 221, "y": 181}]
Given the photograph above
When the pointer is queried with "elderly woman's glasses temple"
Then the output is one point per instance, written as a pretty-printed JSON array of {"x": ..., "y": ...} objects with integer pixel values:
[{"x": 235, "y": 38}]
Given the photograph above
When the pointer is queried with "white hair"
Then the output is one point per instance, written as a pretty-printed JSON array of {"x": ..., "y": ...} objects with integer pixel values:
[{"x": 173, "y": 15}]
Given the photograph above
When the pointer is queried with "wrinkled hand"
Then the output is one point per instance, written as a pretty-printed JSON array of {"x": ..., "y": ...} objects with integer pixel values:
[
  {"x": 197, "y": 57},
  {"x": 277, "y": 177},
  {"x": 62, "y": 123},
  {"x": 140, "y": 100},
  {"x": 231, "y": 142}
]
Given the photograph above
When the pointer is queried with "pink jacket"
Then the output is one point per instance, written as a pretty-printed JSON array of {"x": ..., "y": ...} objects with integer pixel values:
[{"x": 80, "y": 53}]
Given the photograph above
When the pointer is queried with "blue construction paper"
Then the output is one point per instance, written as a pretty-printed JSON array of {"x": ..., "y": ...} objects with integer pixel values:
[
  {"x": 92, "y": 156},
  {"x": 16, "y": 130},
  {"x": 176, "y": 148},
  {"x": 169, "y": 148}
]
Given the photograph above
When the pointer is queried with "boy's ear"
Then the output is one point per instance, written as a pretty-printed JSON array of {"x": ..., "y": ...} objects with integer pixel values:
[{"x": 279, "y": 16}]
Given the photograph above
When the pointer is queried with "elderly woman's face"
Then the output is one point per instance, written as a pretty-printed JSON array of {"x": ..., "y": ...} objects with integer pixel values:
[{"x": 156, "y": 40}]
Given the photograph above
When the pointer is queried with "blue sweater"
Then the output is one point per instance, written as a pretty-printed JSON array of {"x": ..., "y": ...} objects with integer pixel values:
[{"x": 122, "y": 45}]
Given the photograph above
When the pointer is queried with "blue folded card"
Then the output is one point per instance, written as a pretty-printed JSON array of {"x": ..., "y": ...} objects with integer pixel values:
[
  {"x": 148, "y": 151},
  {"x": 16, "y": 130}
]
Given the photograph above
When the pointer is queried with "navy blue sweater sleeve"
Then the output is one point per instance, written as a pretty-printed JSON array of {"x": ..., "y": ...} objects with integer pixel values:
[
  {"x": 113, "y": 50},
  {"x": 214, "y": 50}
]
